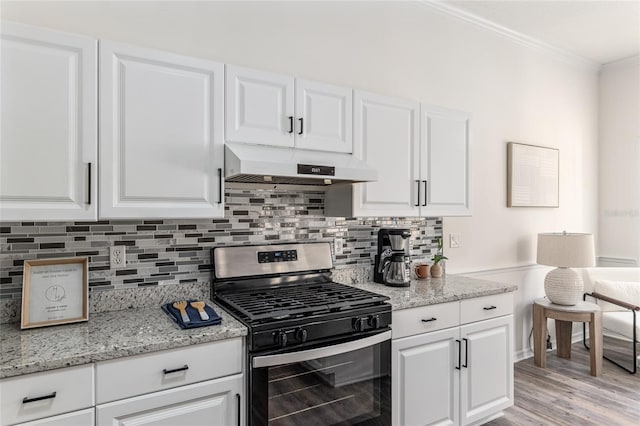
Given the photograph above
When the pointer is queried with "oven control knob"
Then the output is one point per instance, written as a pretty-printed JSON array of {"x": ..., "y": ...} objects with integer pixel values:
[
  {"x": 374, "y": 321},
  {"x": 302, "y": 334},
  {"x": 360, "y": 324},
  {"x": 281, "y": 339}
]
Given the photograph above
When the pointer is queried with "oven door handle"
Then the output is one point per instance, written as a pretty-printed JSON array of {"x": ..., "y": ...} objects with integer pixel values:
[{"x": 290, "y": 357}]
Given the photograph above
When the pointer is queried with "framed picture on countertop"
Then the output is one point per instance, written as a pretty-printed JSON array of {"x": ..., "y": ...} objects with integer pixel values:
[{"x": 55, "y": 291}]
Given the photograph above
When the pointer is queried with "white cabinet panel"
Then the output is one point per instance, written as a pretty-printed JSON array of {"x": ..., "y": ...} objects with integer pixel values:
[
  {"x": 48, "y": 142},
  {"x": 161, "y": 134},
  {"x": 259, "y": 107},
  {"x": 487, "y": 382},
  {"x": 324, "y": 117},
  {"x": 386, "y": 137},
  {"x": 445, "y": 160},
  {"x": 213, "y": 402},
  {"x": 76, "y": 418},
  {"x": 136, "y": 375},
  {"x": 425, "y": 381}
]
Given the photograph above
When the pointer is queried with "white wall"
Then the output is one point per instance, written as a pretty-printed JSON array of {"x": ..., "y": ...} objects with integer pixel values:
[
  {"x": 619, "y": 160},
  {"x": 514, "y": 93}
]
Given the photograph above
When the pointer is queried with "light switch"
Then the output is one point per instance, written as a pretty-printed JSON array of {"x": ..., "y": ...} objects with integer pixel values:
[{"x": 454, "y": 240}]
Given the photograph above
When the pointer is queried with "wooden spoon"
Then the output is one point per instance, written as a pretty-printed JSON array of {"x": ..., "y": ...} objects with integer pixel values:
[
  {"x": 199, "y": 305},
  {"x": 181, "y": 306}
]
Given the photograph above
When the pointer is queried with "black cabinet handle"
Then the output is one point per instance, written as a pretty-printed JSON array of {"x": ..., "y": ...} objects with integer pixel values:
[
  {"x": 291, "y": 124},
  {"x": 489, "y": 308},
  {"x": 26, "y": 400},
  {"x": 466, "y": 352},
  {"x": 239, "y": 407},
  {"x": 417, "y": 204},
  {"x": 176, "y": 370},
  {"x": 88, "y": 202},
  {"x": 301, "y": 126},
  {"x": 220, "y": 186},
  {"x": 459, "y": 354},
  {"x": 429, "y": 320},
  {"x": 425, "y": 193}
]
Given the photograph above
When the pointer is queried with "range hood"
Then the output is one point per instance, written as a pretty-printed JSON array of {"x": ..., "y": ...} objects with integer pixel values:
[{"x": 267, "y": 164}]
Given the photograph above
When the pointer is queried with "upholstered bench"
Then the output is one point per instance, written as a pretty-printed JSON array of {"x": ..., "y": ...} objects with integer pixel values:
[{"x": 617, "y": 291}]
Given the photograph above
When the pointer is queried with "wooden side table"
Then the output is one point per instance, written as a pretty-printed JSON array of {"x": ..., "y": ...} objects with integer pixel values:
[{"x": 564, "y": 317}]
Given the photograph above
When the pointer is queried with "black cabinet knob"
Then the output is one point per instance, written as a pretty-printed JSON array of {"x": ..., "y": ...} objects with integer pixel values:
[{"x": 302, "y": 334}]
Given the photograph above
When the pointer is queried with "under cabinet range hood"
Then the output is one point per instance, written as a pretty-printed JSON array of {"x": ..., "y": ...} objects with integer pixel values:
[{"x": 282, "y": 165}]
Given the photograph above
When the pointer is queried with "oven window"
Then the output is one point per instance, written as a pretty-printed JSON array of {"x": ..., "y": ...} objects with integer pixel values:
[{"x": 351, "y": 388}]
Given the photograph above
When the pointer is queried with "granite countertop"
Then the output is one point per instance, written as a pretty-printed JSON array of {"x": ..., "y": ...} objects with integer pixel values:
[
  {"x": 106, "y": 335},
  {"x": 437, "y": 290}
]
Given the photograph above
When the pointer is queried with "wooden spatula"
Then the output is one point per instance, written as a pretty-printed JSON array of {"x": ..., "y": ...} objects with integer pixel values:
[
  {"x": 199, "y": 305},
  {"x": 181, "y": 306}
]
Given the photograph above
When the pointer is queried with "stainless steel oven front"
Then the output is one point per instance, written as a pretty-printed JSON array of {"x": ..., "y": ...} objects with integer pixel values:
[{"x": 347, "y": 382}]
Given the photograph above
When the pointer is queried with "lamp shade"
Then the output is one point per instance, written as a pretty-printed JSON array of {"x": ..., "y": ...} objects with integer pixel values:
[{"x": 566, "y": 250}]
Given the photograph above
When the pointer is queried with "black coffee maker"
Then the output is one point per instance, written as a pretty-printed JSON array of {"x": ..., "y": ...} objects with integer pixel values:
[{"x": 392, "y": 265}]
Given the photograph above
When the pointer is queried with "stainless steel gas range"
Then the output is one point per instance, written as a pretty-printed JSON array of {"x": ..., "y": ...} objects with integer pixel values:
[{"x": 319, "y": 352}]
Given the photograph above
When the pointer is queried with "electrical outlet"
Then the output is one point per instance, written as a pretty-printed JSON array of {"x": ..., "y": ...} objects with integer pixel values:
[
  {"x": 337, "y": 245},
  {"x": 117, "y": 257},
  {"x": 454, "y": 240}
]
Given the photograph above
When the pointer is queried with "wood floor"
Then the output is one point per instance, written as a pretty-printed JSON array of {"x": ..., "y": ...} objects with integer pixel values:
[{"x": 564, "y": 393}]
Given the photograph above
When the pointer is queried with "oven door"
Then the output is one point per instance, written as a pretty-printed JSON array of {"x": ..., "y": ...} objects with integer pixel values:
[{"x": 348, "y": 383}]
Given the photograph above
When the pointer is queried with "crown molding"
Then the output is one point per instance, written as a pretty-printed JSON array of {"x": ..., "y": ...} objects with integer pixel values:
[
  {"x": 624, "y": 62},
  {"x": 510, "y": 34}
]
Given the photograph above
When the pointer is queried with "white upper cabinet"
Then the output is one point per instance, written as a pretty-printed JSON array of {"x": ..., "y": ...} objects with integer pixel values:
[
  {"x": 48, "y": 142},
  {"x": 275, "y": 109},
  {"x": 386, "y": 137},
  {"x": 422, "y": 155},
  {"x": 324, "y": 116},
  {"x": 161, "y": 134},
  {"x": 259, "y": 107},
  {"x": 445, "y": 161}
]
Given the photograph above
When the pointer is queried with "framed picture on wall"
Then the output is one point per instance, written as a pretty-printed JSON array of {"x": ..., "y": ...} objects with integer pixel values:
[
  {"x": 55, "y": 291},
  {"x": 532, "y": 176}
]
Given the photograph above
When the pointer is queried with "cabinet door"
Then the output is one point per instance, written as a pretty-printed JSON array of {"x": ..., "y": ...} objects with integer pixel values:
[
  {"x": 214, "y": 402},
  {"x": 386, "y": 137},
  {"x": 161, "y": 134},
  {"x": 324, "y": 116},
  {"x": 48, "y": 142},
  {"x": 259, "y": 107},
  {"x": 487, "y": 379},
  {"x": 445, "y": 162},
  {"x": 425, "y": 381}
]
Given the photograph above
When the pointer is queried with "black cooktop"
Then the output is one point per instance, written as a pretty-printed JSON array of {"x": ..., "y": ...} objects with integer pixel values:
[{"x": 291, "y": 301}]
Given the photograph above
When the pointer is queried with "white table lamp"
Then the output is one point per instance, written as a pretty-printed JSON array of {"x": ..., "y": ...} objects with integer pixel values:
[{"x": 563, "y": 286}]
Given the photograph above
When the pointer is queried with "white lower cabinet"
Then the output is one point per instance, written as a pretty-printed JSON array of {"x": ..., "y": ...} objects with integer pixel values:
[
  {"x": 459, "y": 375},
  {"x": 213, "y": 402}
]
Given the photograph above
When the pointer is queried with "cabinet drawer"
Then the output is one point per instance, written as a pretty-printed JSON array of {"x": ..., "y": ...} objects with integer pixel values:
[
  {"x": 146, "y": 373},
  {"x": 486, "y": 307},
  {"x": 39, "y": 395},
  {"x": 213, "y": 402},
  {"x": 77, "y": 418},
  {"x": 407, "y": 322}
]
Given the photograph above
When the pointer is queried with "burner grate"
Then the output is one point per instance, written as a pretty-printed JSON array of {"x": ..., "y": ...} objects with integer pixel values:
[{"x": 299, "y": 300}]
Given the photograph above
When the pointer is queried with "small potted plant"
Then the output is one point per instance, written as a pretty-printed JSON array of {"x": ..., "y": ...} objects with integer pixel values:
[{"x": 436, "y": 268}]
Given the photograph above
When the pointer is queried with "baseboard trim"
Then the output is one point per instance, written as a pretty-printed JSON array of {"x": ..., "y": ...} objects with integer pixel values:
[{"x": 523, "y": 354}]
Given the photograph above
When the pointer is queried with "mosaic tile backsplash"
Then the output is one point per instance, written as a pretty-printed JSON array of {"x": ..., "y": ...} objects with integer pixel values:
[{"x": 177, "y": 251}]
